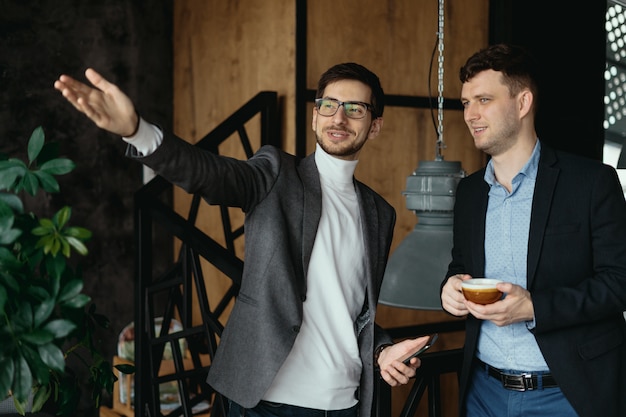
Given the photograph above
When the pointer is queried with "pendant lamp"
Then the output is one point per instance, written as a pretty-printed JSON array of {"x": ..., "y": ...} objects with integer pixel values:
[{"x": 416, "y": 268}]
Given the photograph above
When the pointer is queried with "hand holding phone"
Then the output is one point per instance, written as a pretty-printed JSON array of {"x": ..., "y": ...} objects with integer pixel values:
[{"x": 407, "y": 359}]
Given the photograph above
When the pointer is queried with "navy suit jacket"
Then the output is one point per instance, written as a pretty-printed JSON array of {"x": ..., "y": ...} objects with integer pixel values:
[
  {"x": 576, "y": 276},
  {"x": 281, "y": 197}
]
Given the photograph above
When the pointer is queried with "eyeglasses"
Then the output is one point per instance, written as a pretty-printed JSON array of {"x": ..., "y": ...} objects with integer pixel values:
[{"x": 352, "y": 109}]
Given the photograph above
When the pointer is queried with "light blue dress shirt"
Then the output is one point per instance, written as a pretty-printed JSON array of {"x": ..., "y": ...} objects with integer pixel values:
[{"x": 510, "y": 347}]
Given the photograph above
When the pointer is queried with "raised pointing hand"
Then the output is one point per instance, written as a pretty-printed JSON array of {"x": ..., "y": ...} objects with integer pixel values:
[{"x": 106, "y": 105}]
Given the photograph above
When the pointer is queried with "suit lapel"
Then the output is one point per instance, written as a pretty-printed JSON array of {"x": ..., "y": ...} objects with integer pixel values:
[
  {"x": 547, "y": 175},
  {"x": 478, "y": 227},
  {"x": 312, "y": 210},
  {"x": 370, "y": 227}
]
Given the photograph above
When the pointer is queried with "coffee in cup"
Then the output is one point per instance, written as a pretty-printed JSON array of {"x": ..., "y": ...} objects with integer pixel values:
[{"x": 481, "y": 290}]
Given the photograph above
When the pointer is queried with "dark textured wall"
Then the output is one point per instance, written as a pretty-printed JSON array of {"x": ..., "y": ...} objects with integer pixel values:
[
  {"x": 130, "y": 43},
  {"x": 569, "y": 42}
]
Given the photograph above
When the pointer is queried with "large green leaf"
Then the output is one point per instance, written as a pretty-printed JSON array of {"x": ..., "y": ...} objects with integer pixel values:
[
  {"x": 71, "y": 289},
  {"x": 77, "y": 245},
  {"x": 41, "y": 396},
  {"x": 103, "y": 377},
  {"x": 38, "y": 337},
  {"x": 37, "y": 291},
  {"x": 52, "y": 356},
  {"x": 60, "y": 328},
  {"x": 77, "y": 232},
  {"x": 45, "y": 226},
  {"x": 8, "y": 259},
  {"x": 20, "y": 406},
  {"x": 9, "y": 164},
  {"x": 40, "y": 371},
  {"x": 23, "y": 379},
  {"x": 58, "y": 166},
  {"x": 6, "y": 375},
  {"x": 13, "y": 201},
  {"x": 50, "y": 244},
  {"x": 23, "y": 318},
  {"x": 78, "y": 301},
  {"x": 29, "y": 183},
  {"x": 65, "y": 246},
  {"x": 43, "y": 311},
  {"x": 7, "y": 219},
  {"x": 54, "y": 283},
  {"x": 54, "y": 249},
  {"x": 47, "y": 181},
  {"x": 8, "y": 280},
  {"x": 9, "y": 236},
  {"x": 62, "y": 216},
  {"x": 10, "y": 171},
  {"x": 125, "y": 368},
  {"x": 35, "y": 143}
]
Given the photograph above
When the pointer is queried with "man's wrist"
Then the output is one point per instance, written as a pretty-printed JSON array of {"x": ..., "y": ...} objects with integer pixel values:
[
  {"x": 379, "y": 350},
  {"x": 136, "y": 127}
]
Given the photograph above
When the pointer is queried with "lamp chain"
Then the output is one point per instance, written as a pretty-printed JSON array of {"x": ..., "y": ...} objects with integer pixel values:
[{"x": 440, "y": 143}]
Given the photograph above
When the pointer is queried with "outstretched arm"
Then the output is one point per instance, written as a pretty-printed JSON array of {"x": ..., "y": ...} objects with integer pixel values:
[{"x": 104, "y": 103}]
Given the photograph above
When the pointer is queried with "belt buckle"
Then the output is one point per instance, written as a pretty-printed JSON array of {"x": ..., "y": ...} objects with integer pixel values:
[{"x": 523, "y": 382}]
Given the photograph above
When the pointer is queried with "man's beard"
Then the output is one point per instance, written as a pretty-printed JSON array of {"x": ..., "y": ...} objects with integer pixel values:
[{"x": 339, "y": 150}]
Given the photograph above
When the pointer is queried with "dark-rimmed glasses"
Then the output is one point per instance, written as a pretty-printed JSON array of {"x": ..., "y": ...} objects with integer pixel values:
[{"x": 352, "y": 109}]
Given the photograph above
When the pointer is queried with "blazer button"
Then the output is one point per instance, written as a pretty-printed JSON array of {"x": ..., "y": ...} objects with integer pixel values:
[
  {"x": 296, "y": 329},
  {"x": 303, "y": 298}
]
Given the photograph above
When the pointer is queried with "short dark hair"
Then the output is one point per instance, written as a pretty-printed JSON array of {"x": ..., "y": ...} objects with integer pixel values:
[
  {"x": 517, "y": 65},
  {"x": 353, "y": 71}
]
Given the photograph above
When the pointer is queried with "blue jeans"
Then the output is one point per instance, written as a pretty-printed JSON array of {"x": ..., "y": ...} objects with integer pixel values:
[
  {"x": 486, "y": 397},
  {"x": 269, "y": 409}
]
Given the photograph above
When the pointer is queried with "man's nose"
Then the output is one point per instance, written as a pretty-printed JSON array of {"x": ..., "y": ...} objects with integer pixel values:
[
  {"x": 340, "y": 114},
  {"x": 470, "y": 113}
]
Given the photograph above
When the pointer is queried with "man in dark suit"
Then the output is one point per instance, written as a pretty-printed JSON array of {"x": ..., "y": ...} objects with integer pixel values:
[
  {"x": 553, "y": 227},
  {"x": 301, "y": 338}
]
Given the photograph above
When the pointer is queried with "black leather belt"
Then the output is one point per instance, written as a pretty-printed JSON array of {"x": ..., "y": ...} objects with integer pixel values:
[{"x": 526, "y": 381}]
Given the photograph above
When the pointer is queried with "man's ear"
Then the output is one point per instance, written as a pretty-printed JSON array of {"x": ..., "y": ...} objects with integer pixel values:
[
  {"x": 314, "y": 119},
  {"x": 377, "y": 125},
  {"x": 526, "y": 102}
]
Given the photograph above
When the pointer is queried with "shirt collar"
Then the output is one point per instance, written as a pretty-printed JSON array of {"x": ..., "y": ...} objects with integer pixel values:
[{"x": 529, "y": 170}]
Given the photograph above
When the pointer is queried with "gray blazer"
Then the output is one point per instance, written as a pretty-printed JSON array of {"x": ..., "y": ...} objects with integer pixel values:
[
  {"x": 576, "y": 276},
  {"x": 281, "y": 197}
]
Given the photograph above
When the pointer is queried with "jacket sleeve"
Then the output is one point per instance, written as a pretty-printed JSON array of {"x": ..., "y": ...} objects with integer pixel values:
[{"x": 218, "y": 179}]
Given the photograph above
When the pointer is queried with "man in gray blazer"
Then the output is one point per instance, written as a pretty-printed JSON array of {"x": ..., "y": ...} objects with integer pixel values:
[
  {"x": 301, "y": 338},
  {"x": 553, "y": 227}
]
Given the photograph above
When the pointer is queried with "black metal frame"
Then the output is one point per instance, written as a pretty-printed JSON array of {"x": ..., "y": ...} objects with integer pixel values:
[{"x": 170, "y": 295}]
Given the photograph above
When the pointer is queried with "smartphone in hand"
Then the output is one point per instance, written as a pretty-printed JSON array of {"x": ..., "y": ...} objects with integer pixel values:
[{"x": 407, "y": 359}]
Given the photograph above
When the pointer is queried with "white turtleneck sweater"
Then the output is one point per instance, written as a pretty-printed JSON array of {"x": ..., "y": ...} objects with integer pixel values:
[{"x": 323, "y": 369}]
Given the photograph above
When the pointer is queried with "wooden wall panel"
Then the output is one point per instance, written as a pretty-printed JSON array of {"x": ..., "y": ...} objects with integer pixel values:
[{"x": 226, "y": 52}]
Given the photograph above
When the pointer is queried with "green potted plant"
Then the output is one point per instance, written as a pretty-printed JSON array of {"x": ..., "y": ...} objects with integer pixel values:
[{"x": 45, "y": 317}]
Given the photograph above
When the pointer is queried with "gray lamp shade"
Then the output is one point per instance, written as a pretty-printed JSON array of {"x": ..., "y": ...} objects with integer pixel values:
[{"x": 418, "y": 265}]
